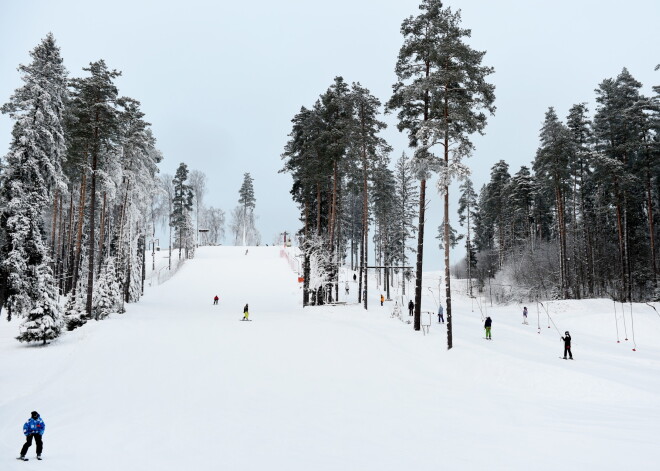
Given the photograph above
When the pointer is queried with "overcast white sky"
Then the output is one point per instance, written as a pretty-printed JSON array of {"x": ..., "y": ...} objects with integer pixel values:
[{"x": 220, "y": 81}]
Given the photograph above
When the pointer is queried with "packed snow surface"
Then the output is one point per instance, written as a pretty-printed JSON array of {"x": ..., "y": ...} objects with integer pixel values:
[{"x": 177, "y": 383}]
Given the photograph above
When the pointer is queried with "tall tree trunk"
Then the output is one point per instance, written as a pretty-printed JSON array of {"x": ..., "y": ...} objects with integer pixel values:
[
  {"x": 447, "y": 233},
  {"x": 622, "y": 251},
  {"x": 420, "y": 255},
  {"x": 102, "y": 232},
  {"x": 67, "y": 252},
  {"x": 92, "y": 232},
  {"x": 53, "y": 239},
  {"x": 649, "y": 204},
  {"x": 306, "y": 259},
  {"x": 81, "y": 216}
]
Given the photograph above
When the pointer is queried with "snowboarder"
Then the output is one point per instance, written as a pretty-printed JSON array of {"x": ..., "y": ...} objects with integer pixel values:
[
  {"x": 411, "y": 307},
  {"x": 567, "y": 345},
  {"x": 216, "y": 299},
  {"x": 33, "y": 428},
  {"x": 246, "y": 314},
  {"x": 382, "y": 298},
  {"x": 346, "y": 287},
  {"x": 487, "y": 325},
  {"x": 525, "y": 315},
  {"x": 441, "y": 318}
]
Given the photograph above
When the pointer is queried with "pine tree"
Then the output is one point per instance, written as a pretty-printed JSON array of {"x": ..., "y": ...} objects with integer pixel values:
[
  {"x": 107, "y": 295},
  {"x": 181, "y": 206},
  {"x": 467, "y": 212},
  {"x": 247, "y": 203},
  {"x": 44, "y": 322},
  {"x": 553, "y": 172},
  {"x": 94, "y": 102},
  {"x": 33, "y": 173},
  {"x": 618, "y": 124},
  {"x": 441, "y": 93},
  {"x": 367, "y": 148},
  {"x": 407, "y": 197}
]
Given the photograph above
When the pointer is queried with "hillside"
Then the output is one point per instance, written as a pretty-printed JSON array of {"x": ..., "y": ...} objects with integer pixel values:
[{"x": 176, "y": 383}]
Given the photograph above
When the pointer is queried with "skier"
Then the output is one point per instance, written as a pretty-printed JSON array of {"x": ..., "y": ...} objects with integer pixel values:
[
  {"x": 396, "y": 312},
  {"x": 411, "y": 307},
  {"x": 216, "y": 299},
  {"x": 33, "y": 428},
  {"x": 441, "y": 318},
  {"x": 382, "y": 298},
  {"x": 346, "y": 287},
  {"x": 246, "y": 314},
  {"x": 567, "y": 345},
  {"x": 525, "y": 315},
  {"x": 487, "y": 327}
]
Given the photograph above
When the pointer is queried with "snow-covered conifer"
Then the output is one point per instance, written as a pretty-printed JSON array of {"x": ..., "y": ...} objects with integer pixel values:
[
  {"x": 33, "y": 171},
  {"x": 107, "y": 293},
  {"x": 44, "y": 321}
]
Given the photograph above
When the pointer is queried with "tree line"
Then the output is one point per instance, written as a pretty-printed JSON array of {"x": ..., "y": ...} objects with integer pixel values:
[
  {"x": 581, "y": 221},
  {"x": 81, "y": 197},
  {"x": 340, "y": 165}
]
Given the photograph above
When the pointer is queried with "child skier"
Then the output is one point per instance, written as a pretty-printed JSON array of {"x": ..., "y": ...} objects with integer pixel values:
[
  {"x": 487, "y": 325},
  {"x": 33, "y": 428},
  {"x": 567, "y": 345}
]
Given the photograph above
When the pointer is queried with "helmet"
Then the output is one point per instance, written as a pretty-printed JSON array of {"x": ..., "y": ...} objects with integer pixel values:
[
  {"x": 566, "y": 333},
  {"x": 34, "y": 414}
]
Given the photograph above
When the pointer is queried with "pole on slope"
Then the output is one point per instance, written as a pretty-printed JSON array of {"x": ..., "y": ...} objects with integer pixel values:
[
  {"x": 623, "y": 314},
  {"x": 616, "y": 322},
  {"x": 538, "y": 316},
  {"x": 550, "y": 319},
  {"x": 632, "y": 327},
  {"x": 436, "y": 302}
]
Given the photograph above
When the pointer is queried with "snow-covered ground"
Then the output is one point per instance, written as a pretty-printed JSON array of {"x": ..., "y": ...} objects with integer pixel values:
[{"x": 177, "y": 383}]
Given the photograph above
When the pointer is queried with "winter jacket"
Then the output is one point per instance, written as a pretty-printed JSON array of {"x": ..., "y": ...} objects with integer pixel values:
[
  {"x": 33, "y": 426},
  {"x": 411, "y": 305},
  {"x": 567, "y": 341},
  {"x": 488, "y": 322},
  {"x": 440, "y": 310}
]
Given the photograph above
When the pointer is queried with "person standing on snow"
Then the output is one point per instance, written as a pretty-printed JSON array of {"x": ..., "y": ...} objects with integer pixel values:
[
  {"x": 411, "y": 307},
  {"x": 525, "y": 315},
  {"x": 33, "y": 428},
  {"x": 441, "y": 318},
  {"x": 216, "y": 299},
  {"x": 487, "y": 325},
  {"x": 246, "y": 314},
  {"x": 346, "y": 287},
  {"x": 396, "y": 312},
  {"x": 567, "y": 345},
  {"x": 382, "y": 298}
]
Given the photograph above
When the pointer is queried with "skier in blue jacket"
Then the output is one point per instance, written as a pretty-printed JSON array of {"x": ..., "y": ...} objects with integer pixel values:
[{"x": 33, "y": 428}]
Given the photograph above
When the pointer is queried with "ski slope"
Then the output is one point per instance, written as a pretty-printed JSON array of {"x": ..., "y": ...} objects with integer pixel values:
[{"x": 176, "y": 383}]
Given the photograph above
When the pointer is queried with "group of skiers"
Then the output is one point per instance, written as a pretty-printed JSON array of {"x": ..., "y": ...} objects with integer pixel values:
[
  {"x": 566, "y": 338},
  {"x": 246, "y": 313}
]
